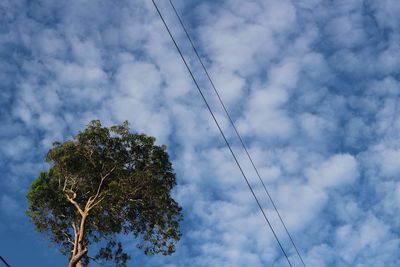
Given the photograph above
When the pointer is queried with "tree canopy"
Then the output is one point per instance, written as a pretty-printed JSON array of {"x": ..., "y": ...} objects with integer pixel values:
[{"x": 103, "y": 183}]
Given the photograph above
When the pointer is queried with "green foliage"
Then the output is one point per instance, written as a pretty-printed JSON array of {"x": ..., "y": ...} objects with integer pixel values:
[{"x": 124, "y": 182}]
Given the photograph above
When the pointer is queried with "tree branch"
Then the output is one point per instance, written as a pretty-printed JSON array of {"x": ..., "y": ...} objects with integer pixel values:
[
  {"x": 75, "y": 239},
  {"x": 95, "y": 203},
  {"x": 109, "y": 172},
  {"x": 68, "y": 238},
  {"x": 92, "y": 200},
  {"x": 75, "y": 259},
  {"x": 80, "y": 254},
  {"x": 72, "y": 200}
]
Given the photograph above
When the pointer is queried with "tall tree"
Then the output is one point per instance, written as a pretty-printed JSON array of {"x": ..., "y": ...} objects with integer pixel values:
[{"x": 103, "y": 183}]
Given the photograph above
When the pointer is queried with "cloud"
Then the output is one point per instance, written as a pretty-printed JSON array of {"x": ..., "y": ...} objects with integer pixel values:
[
  {"x": 371, "y": 233},
  {"x": 336, "y": 171},
  {"x": 312, "y": 86}
]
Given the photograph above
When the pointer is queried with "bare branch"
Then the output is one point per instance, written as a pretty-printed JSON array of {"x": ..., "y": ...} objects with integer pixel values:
[
  {"x": 136, "y": 200},
  {"x": 109, "y": 172},
  {"x": 93, "y": 199},
  {"x": 68, "y": 238},
  {"x": 75, "y": 239},
  {"x": 65, "y": 184},
  {"x": 72, "y": 200},
  {"x": 92, "y": 205}
]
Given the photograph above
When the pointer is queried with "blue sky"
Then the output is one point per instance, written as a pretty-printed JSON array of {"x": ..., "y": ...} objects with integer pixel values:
[{"x": 313, "y": 87}]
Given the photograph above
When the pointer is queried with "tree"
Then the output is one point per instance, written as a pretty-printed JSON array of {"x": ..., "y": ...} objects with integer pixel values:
[{"x": 103, "y": 183}]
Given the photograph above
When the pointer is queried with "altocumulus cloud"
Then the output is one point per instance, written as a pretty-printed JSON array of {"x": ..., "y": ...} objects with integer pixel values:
[{"x": 312, "y": 85}]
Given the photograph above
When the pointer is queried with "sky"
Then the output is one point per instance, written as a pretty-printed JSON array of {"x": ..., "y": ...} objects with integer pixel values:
[{"x": 313, "y": 87}]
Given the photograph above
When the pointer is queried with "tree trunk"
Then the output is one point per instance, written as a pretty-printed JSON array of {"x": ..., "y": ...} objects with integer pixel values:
[
  {"x": 79, "y": 248},
  {"x": 78, "y": 264}
]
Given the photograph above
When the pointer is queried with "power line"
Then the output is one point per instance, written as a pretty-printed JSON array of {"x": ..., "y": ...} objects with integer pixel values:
[
  {"x": 236, "y": 131},
  {"x": 222, "y": 133},
  {"x": 4, "y": 261}
]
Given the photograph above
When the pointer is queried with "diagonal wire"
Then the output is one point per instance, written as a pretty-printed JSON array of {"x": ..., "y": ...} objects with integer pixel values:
[
  {"x": 236, "y": 131},
  {"x": 4, "y": 261},
  {"x": 223, "y": 135}
]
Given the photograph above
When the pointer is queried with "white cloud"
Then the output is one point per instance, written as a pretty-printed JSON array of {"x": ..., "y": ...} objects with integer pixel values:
[
  {"x": 346, "y": 31},
  {"x": 372, "y": 233},
  {"x": 386, "y": 13},
  {"x": 388, "y": 161},
  {"x": 264, "y": 117},
  {"x": 16, "y": 147},
  {"x": 336, "y": 171},
  {"x": 312, "y": 87}
]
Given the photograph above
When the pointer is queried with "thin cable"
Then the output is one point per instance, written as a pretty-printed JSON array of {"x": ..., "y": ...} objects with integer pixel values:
[
  {"x": 4, "y": 261},
  {"x": 236, "y": 131},
  {"x": 222, "y": 133}
]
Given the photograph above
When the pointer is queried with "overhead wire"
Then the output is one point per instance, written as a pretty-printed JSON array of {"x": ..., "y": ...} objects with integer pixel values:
[
  {"x": 4, "y": 261},
  {"x": 236, "y": 131},
  {"x": 223, "y": 135}
]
